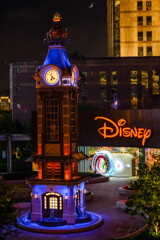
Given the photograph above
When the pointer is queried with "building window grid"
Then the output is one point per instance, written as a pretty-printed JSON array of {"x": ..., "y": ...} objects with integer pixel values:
[
  {"x": 140, "y": 51},
  {"x": 134, "y": 89},
  {"x": 139, "y": 5},
  {"x": 103, "y": 88},
  {"x": 45, "y": 202},
  {"x": 117, "y": 29},
  {"x": 140, "y": 20},
  {"x": 57, "y": 170},
  {"x": 52, "y": 120},
  {"x": 103, "y": 78},
  {"x": 149, "y": 51},
  {"x": 148, "y": 20},
  {"x": 148, "y": 5},
  {"x": 144, "y": 75},
  {"x": 140, "y": 36},
  {"x": 114, "y": 90},
  {"x": 149, "y": 35},
  {"x": 155, "y": 83},
  {"x": 73, "y": 119},
  {"x": 53, "y": 201},
  {"x": 49, "y": 169}
]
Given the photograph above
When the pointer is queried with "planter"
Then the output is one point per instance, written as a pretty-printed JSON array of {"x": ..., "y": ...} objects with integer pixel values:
[{"x": 125, "y": 190}]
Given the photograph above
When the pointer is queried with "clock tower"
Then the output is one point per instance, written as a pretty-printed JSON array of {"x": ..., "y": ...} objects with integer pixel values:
[{"x": 58, "y": 192}]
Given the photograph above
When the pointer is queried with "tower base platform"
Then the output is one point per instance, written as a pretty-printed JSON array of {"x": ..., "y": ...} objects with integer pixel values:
[{"x": 25, "y": 223}]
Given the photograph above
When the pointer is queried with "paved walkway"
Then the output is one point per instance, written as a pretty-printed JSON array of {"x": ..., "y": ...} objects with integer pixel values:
[{"x": 116, "y": 222}]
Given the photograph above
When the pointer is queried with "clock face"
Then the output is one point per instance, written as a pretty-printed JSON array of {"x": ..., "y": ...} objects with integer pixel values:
[
  {"x": 73, "y": 78},
  {"x": 52, "y": 76},
  {"x": 75, "y": 75}
]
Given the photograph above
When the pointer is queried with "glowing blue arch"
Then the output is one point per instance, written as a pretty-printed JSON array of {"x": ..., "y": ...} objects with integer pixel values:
[{"x": 102, "y": 163}]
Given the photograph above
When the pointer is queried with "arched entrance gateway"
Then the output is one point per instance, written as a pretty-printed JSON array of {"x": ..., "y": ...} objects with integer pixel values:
[{"x": 52, "y": 205}]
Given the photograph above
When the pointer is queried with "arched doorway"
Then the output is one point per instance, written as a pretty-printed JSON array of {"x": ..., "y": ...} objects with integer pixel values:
[{"x": 52, "y": 205}]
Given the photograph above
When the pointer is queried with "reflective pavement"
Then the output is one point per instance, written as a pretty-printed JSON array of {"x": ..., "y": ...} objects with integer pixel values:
[{"x": 116, "y": 222}]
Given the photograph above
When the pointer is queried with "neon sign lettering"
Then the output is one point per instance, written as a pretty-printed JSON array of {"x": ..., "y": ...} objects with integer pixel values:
[{"x": 117, "y": 129}]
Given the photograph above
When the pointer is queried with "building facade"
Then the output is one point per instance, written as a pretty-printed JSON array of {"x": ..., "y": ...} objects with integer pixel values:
[
  {"x": 106, "y": 83},
  {"x": 22, "y": 90},
  {"x": 123, "y": 87},
  {"x": 115, "y": 88},
  {"x": 133, "y": 28}
]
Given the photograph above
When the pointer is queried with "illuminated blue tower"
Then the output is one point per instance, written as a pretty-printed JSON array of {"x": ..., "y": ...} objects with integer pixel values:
[{"x": 58, "y": 193}]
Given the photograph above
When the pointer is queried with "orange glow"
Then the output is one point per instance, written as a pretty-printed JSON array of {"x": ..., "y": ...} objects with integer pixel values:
[
  {"x": 39, "y": 151},
  {"x": 117, "y": 129},
  {"x": 66, "y": 150},
  {"x": 40, "y": 170},
  {"x": 67, "y": 172},
  {"x": 57, "y": 17}
]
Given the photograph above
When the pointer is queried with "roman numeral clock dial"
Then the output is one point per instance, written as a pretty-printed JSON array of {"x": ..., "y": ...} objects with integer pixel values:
[{"x": 52, "y": 77}]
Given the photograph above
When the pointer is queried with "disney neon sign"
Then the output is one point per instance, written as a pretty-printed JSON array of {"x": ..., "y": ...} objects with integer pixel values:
[{"x": 117, "y": 129}]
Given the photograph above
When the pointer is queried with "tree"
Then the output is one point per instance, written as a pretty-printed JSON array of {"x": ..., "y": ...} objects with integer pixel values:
[
  {"x": 7, "y": 211},
  {"x": 7, "y": 125},
  {"x": 146, "y": 201}
]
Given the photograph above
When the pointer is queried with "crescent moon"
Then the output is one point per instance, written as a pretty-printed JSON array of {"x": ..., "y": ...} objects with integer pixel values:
[{"x": 91, "y": 5}]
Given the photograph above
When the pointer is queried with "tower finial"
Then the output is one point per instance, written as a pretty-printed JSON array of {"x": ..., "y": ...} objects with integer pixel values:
[
  {"x": 57, "y": 34},
  {"x": 57, "y": 17}
]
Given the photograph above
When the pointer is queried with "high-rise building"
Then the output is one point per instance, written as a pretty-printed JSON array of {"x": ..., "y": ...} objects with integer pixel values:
[{"x": 133, "y": 28}]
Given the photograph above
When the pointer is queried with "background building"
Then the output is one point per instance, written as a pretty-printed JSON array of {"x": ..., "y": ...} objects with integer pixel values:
[
  {"x": 124, "y": 85},
  {"x": 106, "y": 83},
  {"x": 133, "y": 28}
]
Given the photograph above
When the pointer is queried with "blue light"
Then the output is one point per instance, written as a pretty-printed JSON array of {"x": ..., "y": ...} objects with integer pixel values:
[{"x": 57, "y": 55}]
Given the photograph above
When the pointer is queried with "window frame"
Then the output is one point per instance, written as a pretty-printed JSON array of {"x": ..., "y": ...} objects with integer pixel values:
[
  {"x": 140, "y": 20},
  {"x": 148, "y": 7},
  {"x": 139, "y": 5},
  {"x": 149, "y": 38},
  {"x": 149, "y": 20},
  {"x": 140, "y": 35}
]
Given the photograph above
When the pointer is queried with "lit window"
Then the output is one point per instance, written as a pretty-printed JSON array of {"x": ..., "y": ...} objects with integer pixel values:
[
  {"x": 134, "y": 89},
  {"x": 148, "y": 20},
  {"x": 140, "y": 21},
  {"x": 139, "y": 5},
  {"x": 140, "y": 36},
  {"x": 53, "y": 203},
  {"x": 103, "y": 78},
  {"x": 140, "y": 51},
  {"x": 144, "y": 75},
  {"x": 114, "y": 90},
  {"x": 149, "y": 36},
  {"x": 148, "y": 5},
  {"x": 155, "y": 85},
  {"x": 149, "y": 51},
  {"x": 103, "y": 89},
  {"x": 52, "y": 119}
]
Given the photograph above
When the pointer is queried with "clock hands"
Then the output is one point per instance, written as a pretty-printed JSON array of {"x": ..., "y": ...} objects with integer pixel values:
[{"x": 52, "y": 78}]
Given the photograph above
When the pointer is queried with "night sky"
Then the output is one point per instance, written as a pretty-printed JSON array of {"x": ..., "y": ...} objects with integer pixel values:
[{"x": 24, "y": 25}]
